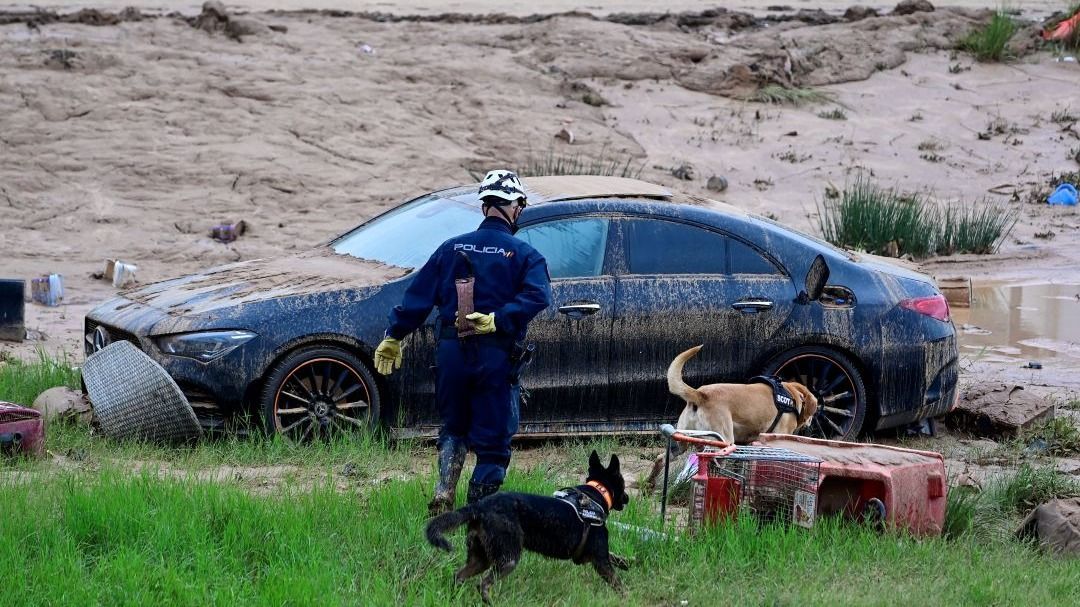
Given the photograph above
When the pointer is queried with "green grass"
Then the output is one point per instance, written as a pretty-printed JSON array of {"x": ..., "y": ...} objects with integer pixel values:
[
  {"x": 990, "y": 42},
  {"x": 885, "y": 221},
  {"x": 21, "y": 381},
  {"x": 833, "y": 114},
  {"x": 553, "y": 163},
  {"x": 120, "y": 539},
  {"x": 798, "y": 96}
]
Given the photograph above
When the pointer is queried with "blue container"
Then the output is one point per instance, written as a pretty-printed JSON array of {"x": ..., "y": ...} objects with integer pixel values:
[{"x": 12, "y": 309}]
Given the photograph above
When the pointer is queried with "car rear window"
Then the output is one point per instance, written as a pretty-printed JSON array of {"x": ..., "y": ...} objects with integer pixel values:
[
  {"x": 408, "y": 235},
  {"x": 666, "y": 247}
]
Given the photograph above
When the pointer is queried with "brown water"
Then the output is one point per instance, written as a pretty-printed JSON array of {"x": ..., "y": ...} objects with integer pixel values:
[{"x": 1022, "y": 323}]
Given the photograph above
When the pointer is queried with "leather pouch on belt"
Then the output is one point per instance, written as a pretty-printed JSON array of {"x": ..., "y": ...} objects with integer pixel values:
[{"x": 464, "y": 288}]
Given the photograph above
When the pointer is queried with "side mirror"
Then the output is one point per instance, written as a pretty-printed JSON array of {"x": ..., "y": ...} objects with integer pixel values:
[{"x": 816, "y": 279}]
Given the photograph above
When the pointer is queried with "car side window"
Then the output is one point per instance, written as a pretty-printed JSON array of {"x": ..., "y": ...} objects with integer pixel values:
[
  {"x": 666, "y": 247},
  {"x": 745, "y": 260},
  {"x": 573, "y": 248}
]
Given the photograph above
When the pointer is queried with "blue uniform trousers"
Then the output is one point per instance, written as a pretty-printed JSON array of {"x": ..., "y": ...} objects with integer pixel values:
[{"x": 473, "y": 396}]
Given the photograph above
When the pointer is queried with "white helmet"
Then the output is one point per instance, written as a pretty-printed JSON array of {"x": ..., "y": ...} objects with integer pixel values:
[{"x": 502, "y": 185}]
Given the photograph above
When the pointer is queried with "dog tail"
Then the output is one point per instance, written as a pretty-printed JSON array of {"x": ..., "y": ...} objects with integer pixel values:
[
  {"x": 445, "y": 523},
  {"x": 675, "y": 382}
]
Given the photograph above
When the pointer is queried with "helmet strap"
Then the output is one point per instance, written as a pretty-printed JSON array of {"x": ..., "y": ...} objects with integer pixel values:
[{"x": 506, "y": 216}]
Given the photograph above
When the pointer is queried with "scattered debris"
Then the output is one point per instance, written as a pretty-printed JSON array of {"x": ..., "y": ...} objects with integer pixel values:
[
  {"x": 1055, "y": 525},
  {"x": 120, "y": 274},
  {"x": 228, "y": 232},
  {"x": 12, "y": 309},
  {"x": 566, "y": 135},
  {"x": 47, "y": 290},
  {"x": 1033, "y": 364},
  {"x": 957, "y": 290},
  {"x": 716, "y": 183},
  {"x": 858, "y": 13},
  {"x": 22, "y": 431},
  {"x": 366, "y": 49},
  {"x": 907, "y": 7},
  {"x": 1064, "y": 30},
  {"x": 215, "y": 19},
  {"x": 1065, "y": 195},
  {"x": 998, "y": 410},
  {"x": 61, "y": 58},
  {"x": 133, "y": 397},
  {"x": 64, "y": 404},
  {"x": 684, "y": 171}
]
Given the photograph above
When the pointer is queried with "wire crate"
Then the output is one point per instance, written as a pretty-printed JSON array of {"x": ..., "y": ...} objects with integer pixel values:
[{"x": 769, "y": 483}]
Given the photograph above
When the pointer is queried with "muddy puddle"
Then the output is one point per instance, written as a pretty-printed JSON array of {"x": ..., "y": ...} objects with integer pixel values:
[{"x": 1037, "y": 323}]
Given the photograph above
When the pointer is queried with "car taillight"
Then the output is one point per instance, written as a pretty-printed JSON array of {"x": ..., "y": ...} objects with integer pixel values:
[{"x": 933, "y": 306}]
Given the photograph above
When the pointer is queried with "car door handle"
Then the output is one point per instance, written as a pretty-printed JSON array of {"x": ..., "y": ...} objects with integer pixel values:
[
  {"x": 579, "y": 310},
  {"x": 752, "y": 305}
]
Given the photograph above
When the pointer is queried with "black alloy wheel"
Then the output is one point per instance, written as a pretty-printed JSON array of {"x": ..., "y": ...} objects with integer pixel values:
[
  {"x": 836, "y": 384},
  {"x": 318, "y": 391}
]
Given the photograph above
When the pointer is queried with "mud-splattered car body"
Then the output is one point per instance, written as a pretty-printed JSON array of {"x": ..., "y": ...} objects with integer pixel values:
[{"x": 638, "y": 275}]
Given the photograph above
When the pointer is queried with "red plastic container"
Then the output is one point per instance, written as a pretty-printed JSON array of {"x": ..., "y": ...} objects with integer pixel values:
[
  {"x": 22, "y": 431},
  {"x": 858, "y": 479}
]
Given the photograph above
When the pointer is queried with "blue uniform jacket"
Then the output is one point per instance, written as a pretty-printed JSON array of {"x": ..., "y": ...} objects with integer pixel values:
[{"x": 511, "y": 281}]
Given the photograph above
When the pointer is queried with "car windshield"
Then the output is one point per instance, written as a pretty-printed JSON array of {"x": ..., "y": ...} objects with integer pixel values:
[{"x": 406, "y": 236}]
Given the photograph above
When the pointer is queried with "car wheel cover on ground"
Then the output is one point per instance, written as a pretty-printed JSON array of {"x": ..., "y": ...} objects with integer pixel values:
[
  {"x": 834, "y": 388},
  {"x": 320, "y": 396},
  {"x": 133, "y": 397}
]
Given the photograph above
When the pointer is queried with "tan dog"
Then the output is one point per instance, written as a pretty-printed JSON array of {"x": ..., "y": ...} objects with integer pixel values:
[{"x": 738, "y": 412}]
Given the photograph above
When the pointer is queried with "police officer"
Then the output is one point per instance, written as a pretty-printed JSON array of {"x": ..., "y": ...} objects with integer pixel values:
[{"x": 473, "y": 392}]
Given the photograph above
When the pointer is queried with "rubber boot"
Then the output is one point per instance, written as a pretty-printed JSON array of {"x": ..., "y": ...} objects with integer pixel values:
[
  {"x": 478, "y": 491},
  {"x": 451, "y": 459}
]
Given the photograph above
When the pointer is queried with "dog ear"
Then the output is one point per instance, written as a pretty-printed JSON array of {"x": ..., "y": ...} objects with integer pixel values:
[
  {"x": 594, "y": 461},
  {"x": 614, "y": 465}
]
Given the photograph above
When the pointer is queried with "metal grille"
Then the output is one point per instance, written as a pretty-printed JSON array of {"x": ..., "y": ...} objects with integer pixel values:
[
  {"x": 133, "y": 397},
  {"x": 114, "y": 336},
  {"x": 772, "y": 484}
]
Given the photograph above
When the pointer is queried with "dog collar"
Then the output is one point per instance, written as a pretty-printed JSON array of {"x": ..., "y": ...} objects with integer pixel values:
[{"x": 602, "y": 490}]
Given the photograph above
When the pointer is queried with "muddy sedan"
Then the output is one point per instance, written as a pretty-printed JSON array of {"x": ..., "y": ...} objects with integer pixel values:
[{"x": 638, "y": 275}]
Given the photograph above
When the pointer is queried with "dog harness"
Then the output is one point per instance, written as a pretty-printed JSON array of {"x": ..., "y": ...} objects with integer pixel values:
[
  {"x": 781, "y": 398},
  {"x": 589, "y": 511}
]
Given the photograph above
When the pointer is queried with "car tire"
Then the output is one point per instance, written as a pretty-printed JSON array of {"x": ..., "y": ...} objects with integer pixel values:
[
  {"x": 317, "y": 391},
  {"x": 834, "y": 380}
]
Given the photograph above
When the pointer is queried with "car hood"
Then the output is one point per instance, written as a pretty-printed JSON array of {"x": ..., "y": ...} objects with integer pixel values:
[{"x": 231, "y": 285}]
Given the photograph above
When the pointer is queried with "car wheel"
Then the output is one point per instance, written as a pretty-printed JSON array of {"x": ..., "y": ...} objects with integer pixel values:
[
  {"x": 317, "y": 391},
  {"x": 836, "y": 383}
]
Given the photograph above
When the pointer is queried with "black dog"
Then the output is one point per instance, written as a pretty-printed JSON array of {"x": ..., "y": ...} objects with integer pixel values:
[{"x": 567, "y": 526}]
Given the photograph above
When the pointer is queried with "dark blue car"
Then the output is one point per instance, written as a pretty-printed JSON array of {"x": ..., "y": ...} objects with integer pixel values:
[{"x": 638, "y": 273}]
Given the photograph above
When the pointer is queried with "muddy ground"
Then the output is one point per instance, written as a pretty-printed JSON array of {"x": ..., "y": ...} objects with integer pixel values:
[{"x": 130, "y": 140}]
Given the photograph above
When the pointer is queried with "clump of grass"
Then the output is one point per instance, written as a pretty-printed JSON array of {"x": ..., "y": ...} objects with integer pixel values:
[
  {"x": 22, "y": 381},
  {"x": 1060, "y": 434},
  {"x": 798, "y": 96},
  {"x": 885, "y": 221},
  {"x": 552, "y": 163},
  {"x": 833, "y": 114},
  {"x": 1062, "y": 116},
  {"x": 991, "y": 515},
  {"x": 877, "y": 220},
  {"x": 990, "y": 43},
  {"x": 973, "y": 228},
  {"x": 1029, "y": 487}
]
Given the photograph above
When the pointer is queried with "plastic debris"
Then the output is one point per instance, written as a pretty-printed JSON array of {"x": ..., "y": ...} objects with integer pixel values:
[
  {"x": 716, "y": 183},
  {"x": 1033, "y": 364},
  {"x": 119, "y": 273},
  {"x": 367, "y": 49},
  {"x": 22, "y": 430},
  {"x": 47, "y": 290},
  {"x": 228, "y": 232},
  {"x": 1064, "y": 195},
  {"x": 1063, "y": 30},
  {"x": 566, "y": 135}
]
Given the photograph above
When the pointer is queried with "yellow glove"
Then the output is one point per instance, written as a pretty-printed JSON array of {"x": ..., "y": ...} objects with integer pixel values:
[
  {"x": 484, "y": 323},
  {"x": 388, "y": 355}
]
